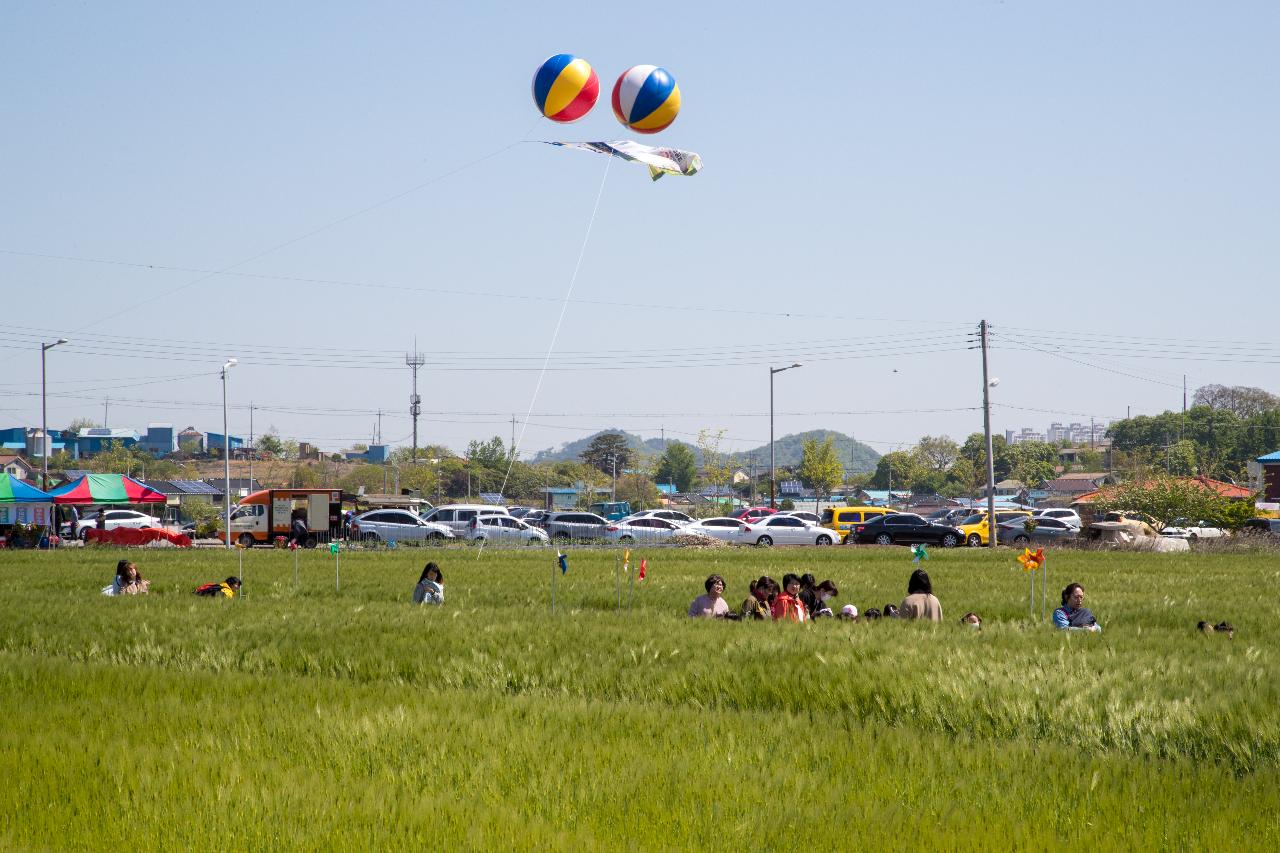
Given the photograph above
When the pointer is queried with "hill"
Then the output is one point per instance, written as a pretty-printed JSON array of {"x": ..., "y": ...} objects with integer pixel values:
[{"x": 856, "y": 456}]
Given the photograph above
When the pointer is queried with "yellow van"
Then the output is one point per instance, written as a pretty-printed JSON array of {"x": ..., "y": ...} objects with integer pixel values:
[
  {"x": 841, "y": 519},
  {"x": 974, "y": 527}
]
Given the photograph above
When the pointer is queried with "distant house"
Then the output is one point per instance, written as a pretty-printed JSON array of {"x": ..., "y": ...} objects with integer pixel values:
[
  {"x": 1076, "y": 484},
  {"x": 1008, "y": 489},
  {"x": 1225, "y": 490},
  {"x": 214, "y": 442},
  {"x": 566, "y": 497},
  {"x": 376, "y": 454},
  {"x": 94, "y": 440},
  {"x": 1270, "y": 477},
  {"x": 18, "y": 467},
  {"x": 160, "y": 440}
]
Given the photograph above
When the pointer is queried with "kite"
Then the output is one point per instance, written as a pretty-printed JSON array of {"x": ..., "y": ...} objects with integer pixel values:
[
  {"x": 661, "y": 161},
  {"x": 646, "y": 98},
  {"x": 565, "y": 88}
]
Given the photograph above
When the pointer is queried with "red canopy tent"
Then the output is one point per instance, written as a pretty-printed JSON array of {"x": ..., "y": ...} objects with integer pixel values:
[{"x": 94, "y": 489}]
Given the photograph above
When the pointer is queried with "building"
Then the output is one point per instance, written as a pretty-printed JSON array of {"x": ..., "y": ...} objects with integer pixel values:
[
  {"x": 160, "y": 440},
  {"x": 94, "y": 440},
  {"x": 191, "y": 439},
  {"x": 376, "y": 454},
  {"x": 214, "y": 442},
  {"x": 11, "y": 463},
  {"x": 1225, "y": 490},
  {"x": 1270, "y": 478}
]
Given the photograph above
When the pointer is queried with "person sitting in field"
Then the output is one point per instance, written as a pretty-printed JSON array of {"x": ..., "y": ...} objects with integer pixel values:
[
  {"x": 920, "y": 602},
  {"x": 823, "y": 593},
  {"x": 809, "y": 592},
  {"x": 1221, "y": 628},
  {"x": 227, "y": 588},
  {"x": 128, "y": 580},
  {"x": 430, "y": 588},
  {"x": 890, "y": 611},
  {"x": 711, "y": 604},
  {"x": 871, "y": 615},
  {"x": 973, "y": 620},
  {"x": 1073, "y": 615},
  {"x": 848, "y": 613},
  {"x": 787, "y": 605},
  {"x": 756, "y": 605}
]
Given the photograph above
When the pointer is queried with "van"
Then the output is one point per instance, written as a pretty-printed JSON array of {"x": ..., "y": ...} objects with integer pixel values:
[
  {"x": 459, "y": 517},
  {"x": 843, "y": 518}
]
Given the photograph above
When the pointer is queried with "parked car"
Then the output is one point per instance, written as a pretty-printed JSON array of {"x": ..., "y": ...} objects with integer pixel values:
[
  {"x": 669, "y": 514},
  {"x": 842, "y": 519},
  {"x": 1183, "y": 529},
  {"x": 612, "y": 510},
  {"x": 114, "y": 518},
  {"x": 1070, "y": 516},
  {"x": 573, "y": 525},
  {"x": 536, "y": 517},
  {"x": 647, "y": 529},
  {"x": 1262, "y": 527},
  {"x": 459, "y": 517},
  {"x": 398, "y": 525},
  {"x": 726, "y": 529},
  {"x": 1047, "y": 530},
  {"x": 974, "y": 528},
  {"x": 519, "y": 511},
  {"x": 786, "y": 530},
  {"x": 752, "y": 513},
  {"x": 804, "y": 515},
  {"x": 504, "y": 528},
  {"x": 904, "y": 528}
]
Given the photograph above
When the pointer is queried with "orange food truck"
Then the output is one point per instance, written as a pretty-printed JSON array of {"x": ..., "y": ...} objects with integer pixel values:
[{"x": 265, "y": 515}]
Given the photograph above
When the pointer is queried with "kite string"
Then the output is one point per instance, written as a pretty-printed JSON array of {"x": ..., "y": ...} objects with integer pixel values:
[{"x": 555, "y": 335}]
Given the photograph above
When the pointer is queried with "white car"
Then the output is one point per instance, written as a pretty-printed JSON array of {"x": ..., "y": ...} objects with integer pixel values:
[
  {"x": 396, "y": 525},
  {"x": 1067, "y": 516},
  {"x": 1183, "y": 529},
  {"x": 646, "y": 530},
  {"x": 786, "y": 530},
  {"x": 130, "y": 518},
  {"x": 811, "y": 517},
  {"x": 503, "y": 528},
  {"x": 727, "y": 529},
  {"x": 669, "y": 514}
]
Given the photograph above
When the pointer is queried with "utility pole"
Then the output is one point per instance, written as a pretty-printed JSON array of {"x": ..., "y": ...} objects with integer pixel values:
[
  {"x": 415, "y": 360},
  {"x": 106, "y": 404},
  {"x": 252, "y": 451},
  {"x": 984, "y": 329},
  {"x": 513, "y": 438},
  {"x": 1184, "y": 393},
  {"x": 613, "y": 464}
]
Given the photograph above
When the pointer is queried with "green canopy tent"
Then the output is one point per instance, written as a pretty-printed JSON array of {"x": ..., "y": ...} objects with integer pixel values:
[
  {"x": 22, "y": 503},
  {"x": 97, "y": 489}
]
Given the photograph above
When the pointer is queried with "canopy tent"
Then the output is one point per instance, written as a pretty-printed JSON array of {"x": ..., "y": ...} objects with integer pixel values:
[
  {"x": 105, "y": 489},
  {"x": 15, "y": 491},
  {"x": 21, "y": 503}
]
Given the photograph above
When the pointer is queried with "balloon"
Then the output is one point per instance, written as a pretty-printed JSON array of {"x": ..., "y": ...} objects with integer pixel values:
[
  {"x": 565, "y": 88},
  {"x": 646, "y": 98}
]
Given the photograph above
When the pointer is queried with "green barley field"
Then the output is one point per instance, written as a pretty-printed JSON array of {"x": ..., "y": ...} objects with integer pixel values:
[{"x": 300, "y": 716}]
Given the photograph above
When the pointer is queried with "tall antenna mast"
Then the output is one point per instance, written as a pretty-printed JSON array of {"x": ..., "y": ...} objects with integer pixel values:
[{"x": 415, "y": 360}]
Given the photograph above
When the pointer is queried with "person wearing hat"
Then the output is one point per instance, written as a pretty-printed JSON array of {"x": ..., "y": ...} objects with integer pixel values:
[{"x": 848, "y": 612}]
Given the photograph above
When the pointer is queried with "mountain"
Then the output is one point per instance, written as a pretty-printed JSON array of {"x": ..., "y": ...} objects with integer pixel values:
[{"x": 857, "y": 457}]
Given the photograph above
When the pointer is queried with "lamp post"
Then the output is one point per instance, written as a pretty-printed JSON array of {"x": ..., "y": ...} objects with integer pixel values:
[
  {"x": 226, "y": 452},
  {"x": 44, "y": 413},
  {"x": 773, "y": 473}
]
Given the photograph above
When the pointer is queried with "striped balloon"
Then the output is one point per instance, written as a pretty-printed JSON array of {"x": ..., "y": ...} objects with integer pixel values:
[
  {"x": 646, "y": 98},
  {"x": 565, "y": 88}
]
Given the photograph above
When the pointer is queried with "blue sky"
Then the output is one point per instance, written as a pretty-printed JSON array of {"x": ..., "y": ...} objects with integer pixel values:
[{"x": 1098, "y": 180}]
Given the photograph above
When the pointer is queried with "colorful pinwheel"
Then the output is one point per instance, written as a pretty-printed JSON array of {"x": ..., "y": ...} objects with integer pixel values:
[
  {"x": 918, "y": 553},
  {"x": 1031, "y": 561}
]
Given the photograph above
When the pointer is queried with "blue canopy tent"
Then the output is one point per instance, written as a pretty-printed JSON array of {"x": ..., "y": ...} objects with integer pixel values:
[{"x": 22, "y": 503}]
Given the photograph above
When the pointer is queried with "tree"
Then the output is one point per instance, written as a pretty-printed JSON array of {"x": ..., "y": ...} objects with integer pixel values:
[
  {"x": 678, "y": 465},
  {"x": 895, "y": 470},
  {"x": 270, "y": 442},
  {"x": 1167, "y": 499},
  {"x": 1034, "y": 472},
  {"x": 718, "y": 467},
  {"x": 80, "y": 424},
  {"x": 1241, "y": 400},
  {"x": 820, "y": 468},
  {"x": 488, "y": 454},
  {"x": 607, "y": 451},
  {"x": 938, "y": 454}
]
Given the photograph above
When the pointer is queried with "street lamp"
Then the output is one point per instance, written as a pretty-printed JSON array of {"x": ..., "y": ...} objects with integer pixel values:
[
  {"x": 773, "y": 474},
  {"x": 44, "y": 413},
  {"x": 226, "y": 451}
]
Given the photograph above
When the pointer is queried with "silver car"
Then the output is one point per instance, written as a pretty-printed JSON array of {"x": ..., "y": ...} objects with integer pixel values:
[
  {"x": 669, "y": 514},
  {"x": 462, "y": 518},
  {"x": 502, "y": 528},
  {"x": 397, "y": 525},
  {"x": 647, "y": 529},
  {"x": 576, "y": 526}
]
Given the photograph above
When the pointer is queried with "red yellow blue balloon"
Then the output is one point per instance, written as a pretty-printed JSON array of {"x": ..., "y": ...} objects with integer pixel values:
[
  {"x": 565, "y": 88},
  {"x": 646, "y": 98}
]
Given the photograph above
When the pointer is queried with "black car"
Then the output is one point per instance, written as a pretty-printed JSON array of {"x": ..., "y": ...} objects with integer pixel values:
[
  {"x": 904, "y": 528},
  {"x": 1262, "y": 527}
]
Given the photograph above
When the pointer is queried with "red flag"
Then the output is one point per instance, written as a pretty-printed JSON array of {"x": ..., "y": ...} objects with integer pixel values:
[{"x": 644, "y": 565}]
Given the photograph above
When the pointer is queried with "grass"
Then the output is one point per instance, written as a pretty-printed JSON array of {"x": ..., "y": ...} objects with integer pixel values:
[{"x": 304, "y": 717}]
